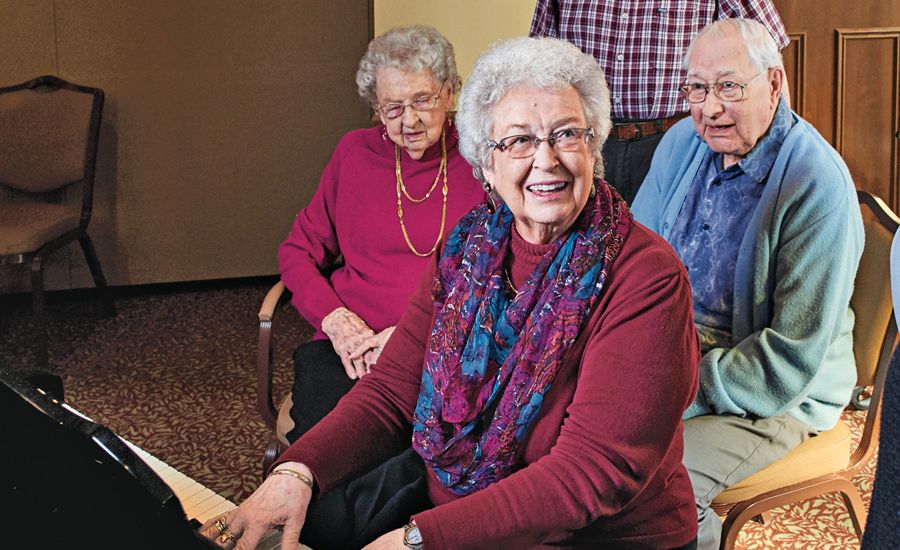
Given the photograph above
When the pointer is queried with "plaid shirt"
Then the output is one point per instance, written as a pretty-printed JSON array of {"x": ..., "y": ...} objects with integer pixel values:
[{"x": 640, "y": 43}]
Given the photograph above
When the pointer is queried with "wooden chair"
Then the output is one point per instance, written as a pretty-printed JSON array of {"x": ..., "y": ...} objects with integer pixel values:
[
  {"x": 824, "y": 464},
  {"x": 277, "y": 419},
  {"x": 49, "y": 131}
]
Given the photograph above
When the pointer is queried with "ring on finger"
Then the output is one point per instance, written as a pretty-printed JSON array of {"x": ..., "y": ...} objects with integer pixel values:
[
  {"x": 226, "y": 536},
  {"x": 220, "y": 525}
]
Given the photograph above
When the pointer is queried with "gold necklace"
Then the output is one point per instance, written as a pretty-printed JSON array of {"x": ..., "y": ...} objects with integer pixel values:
[
  {"x": 441, "y": 168},
  {"x": 401, "y": 190}
]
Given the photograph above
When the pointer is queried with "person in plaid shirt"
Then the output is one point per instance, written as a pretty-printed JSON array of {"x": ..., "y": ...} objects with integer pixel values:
[{"x": 639, "y": 45}]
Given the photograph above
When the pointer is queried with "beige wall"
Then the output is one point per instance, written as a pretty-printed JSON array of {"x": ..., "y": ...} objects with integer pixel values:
[
  {"x": 220, "y": 116},
  {"x": 470, "y": 25}
]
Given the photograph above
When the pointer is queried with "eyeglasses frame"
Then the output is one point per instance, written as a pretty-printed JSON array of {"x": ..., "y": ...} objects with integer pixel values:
[
  {"x": 434, "y": 101},
  {"x": 587, "y": 134},
  {"x": 715, "y": 88}
]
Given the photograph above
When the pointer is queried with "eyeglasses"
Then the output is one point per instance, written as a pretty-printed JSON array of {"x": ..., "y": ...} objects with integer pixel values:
[
  {"x": 695, "y": 92},
  {"x": 524, "y": 146},
  {"x": 424, "y": 103}
]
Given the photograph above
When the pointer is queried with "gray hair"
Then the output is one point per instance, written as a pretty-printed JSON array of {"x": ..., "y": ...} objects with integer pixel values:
[
  {"x": 412, "y": 49},
  {"x": 761, "y": 48},
  {"x": 545, "y": 63}
]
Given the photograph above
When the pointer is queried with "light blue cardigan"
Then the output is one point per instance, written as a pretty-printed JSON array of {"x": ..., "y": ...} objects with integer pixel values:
[{"x": 792, "y": 344}]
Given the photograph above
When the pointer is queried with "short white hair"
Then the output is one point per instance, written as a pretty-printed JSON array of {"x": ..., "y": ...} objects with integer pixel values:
[
  {"x": 413, "y": 49},
  {"x": 545, "y": 63},
  {"x": 761, "y": 48}
]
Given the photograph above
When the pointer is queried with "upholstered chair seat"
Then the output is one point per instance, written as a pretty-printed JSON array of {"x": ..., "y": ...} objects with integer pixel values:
[{"x": 25, "y": 227}]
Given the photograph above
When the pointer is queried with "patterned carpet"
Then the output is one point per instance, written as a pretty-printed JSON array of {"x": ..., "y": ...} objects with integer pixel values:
[{"x": 174, "y": 373}]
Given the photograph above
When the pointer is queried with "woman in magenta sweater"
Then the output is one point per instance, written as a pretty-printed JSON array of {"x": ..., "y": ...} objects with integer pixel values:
[
  {"x": 385, "y": 202},
  {"x": 532, "y": 393}
]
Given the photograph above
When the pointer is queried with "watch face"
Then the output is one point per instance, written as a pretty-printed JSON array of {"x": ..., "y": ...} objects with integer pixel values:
[{"x": 413, "y": 536}]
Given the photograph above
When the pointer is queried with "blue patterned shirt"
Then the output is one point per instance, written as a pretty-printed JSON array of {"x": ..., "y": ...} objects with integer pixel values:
[{"x": 711, "y": 225}]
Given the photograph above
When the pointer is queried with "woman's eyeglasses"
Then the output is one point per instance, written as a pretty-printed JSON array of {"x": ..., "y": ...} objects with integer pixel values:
[
  {"x": 524, "y": 146},
  {"x": 424, "y": 103}
]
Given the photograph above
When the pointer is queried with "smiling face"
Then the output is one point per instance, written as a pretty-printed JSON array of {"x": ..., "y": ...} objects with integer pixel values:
[
  {"x": 414, "y": 131},
  {"x": 548, "y": 191},
  {"x": 731, "y": 128}
]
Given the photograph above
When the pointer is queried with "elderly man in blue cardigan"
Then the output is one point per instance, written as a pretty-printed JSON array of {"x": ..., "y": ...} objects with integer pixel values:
[{"x": 764, "y": 215}]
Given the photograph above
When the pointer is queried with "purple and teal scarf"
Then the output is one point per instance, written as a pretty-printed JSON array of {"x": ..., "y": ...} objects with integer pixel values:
[{"x": 483, "y": 385}]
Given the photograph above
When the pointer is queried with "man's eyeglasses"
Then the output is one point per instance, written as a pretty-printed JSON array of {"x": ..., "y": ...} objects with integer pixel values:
[
  {"x": 423, "y": 103},
  {"x": 524, "y": 146},
  {"x": 695, "y": 92}
]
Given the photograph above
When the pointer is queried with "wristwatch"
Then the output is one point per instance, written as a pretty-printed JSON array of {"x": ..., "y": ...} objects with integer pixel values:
[{"x": 412, "y": 538}]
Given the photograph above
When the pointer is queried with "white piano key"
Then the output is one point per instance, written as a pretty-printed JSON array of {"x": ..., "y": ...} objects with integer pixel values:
[
  {"x": 217, "y": 510},
  {"x": 191, "y": 502},
  {"x": 202, "y": 507}
]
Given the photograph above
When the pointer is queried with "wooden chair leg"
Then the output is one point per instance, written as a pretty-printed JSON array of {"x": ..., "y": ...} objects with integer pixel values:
[
  {"x": 855, "y": 508},
  {"x": 39, "y": 313},
  {"x": 87, "y": 246}
]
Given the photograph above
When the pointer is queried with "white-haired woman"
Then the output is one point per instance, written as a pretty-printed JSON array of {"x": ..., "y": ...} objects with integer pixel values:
[
  {"x": 541, "y": 369},
  {"x": 385, "y": 201}
]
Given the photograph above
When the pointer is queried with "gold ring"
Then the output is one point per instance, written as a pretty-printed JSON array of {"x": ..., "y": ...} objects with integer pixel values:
[
  {"x": 221, "y": 525},
  {"x": 226, "y": 536}
]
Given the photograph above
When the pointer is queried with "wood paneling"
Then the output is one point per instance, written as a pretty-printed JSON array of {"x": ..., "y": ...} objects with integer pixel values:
[
  {"x": 866, "y": 95},
  {"x": 794, "y": 55},
  {"x": 848, "y": 86}
]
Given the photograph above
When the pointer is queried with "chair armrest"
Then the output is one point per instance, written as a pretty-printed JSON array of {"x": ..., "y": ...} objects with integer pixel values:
[{"x": 276, "y": 296}]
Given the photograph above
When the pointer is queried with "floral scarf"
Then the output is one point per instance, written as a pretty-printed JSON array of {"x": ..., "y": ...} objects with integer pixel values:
[{"x": 482, "y": 385}]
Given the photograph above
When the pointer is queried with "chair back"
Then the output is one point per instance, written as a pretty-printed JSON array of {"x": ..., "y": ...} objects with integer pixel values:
[
  {"x": 871, "y": 301},
  {"x": 875, "y": 331},
  {"x": 48, "y": 118}
]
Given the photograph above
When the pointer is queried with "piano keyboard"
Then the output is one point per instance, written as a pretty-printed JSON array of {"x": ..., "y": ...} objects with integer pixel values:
[{"x": 198, "y": 502}]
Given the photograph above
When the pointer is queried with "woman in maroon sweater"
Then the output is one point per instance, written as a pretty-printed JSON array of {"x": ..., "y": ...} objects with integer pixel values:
[
  {"x": 410, "y": 162},
  {"x": 540, "y": 371}
]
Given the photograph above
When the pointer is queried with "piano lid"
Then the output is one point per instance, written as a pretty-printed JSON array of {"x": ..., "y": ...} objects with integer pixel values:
[{"x": 69, "y": 482}]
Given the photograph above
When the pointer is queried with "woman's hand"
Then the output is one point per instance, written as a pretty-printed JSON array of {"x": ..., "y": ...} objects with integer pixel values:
[
  {"x": 392, "y": 540},
  {"x": 347, "y": 331},
  {"x": 370, "y": 348},
  {"x": 280, "y": 502}
]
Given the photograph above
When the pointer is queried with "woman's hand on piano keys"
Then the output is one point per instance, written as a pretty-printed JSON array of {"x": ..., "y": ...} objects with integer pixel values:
[{"x": 279, "y": 503}]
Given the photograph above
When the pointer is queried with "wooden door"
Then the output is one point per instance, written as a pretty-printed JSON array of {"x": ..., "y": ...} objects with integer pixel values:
[{"x": 843, "y": 66}]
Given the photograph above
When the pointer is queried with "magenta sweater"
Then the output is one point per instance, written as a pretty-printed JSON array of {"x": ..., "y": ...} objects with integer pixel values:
[
  {"x": 602, "y": 465},
  {"x": 354, "y": 214}
]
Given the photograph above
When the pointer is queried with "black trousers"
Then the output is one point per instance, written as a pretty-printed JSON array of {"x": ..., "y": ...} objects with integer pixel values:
[
  {"x": 319, "y": 383},
  {"x": 355, "y": 514},
  {"x": 626, "y": 163}
]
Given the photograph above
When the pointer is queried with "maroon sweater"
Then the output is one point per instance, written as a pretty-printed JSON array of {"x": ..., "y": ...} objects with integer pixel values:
[
  {"x": 602, "y": 464},
  {"x": 354, "y": 214}
]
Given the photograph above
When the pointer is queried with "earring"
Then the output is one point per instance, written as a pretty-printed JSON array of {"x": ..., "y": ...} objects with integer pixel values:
[
  {"x": 492, "y": 203},
  {"x": 384, "y": 133},
  {"x": 593, "y": 190}
]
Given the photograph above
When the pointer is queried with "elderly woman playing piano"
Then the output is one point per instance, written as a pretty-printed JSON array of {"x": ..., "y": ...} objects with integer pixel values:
[{"x": 532, "y": 392}]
